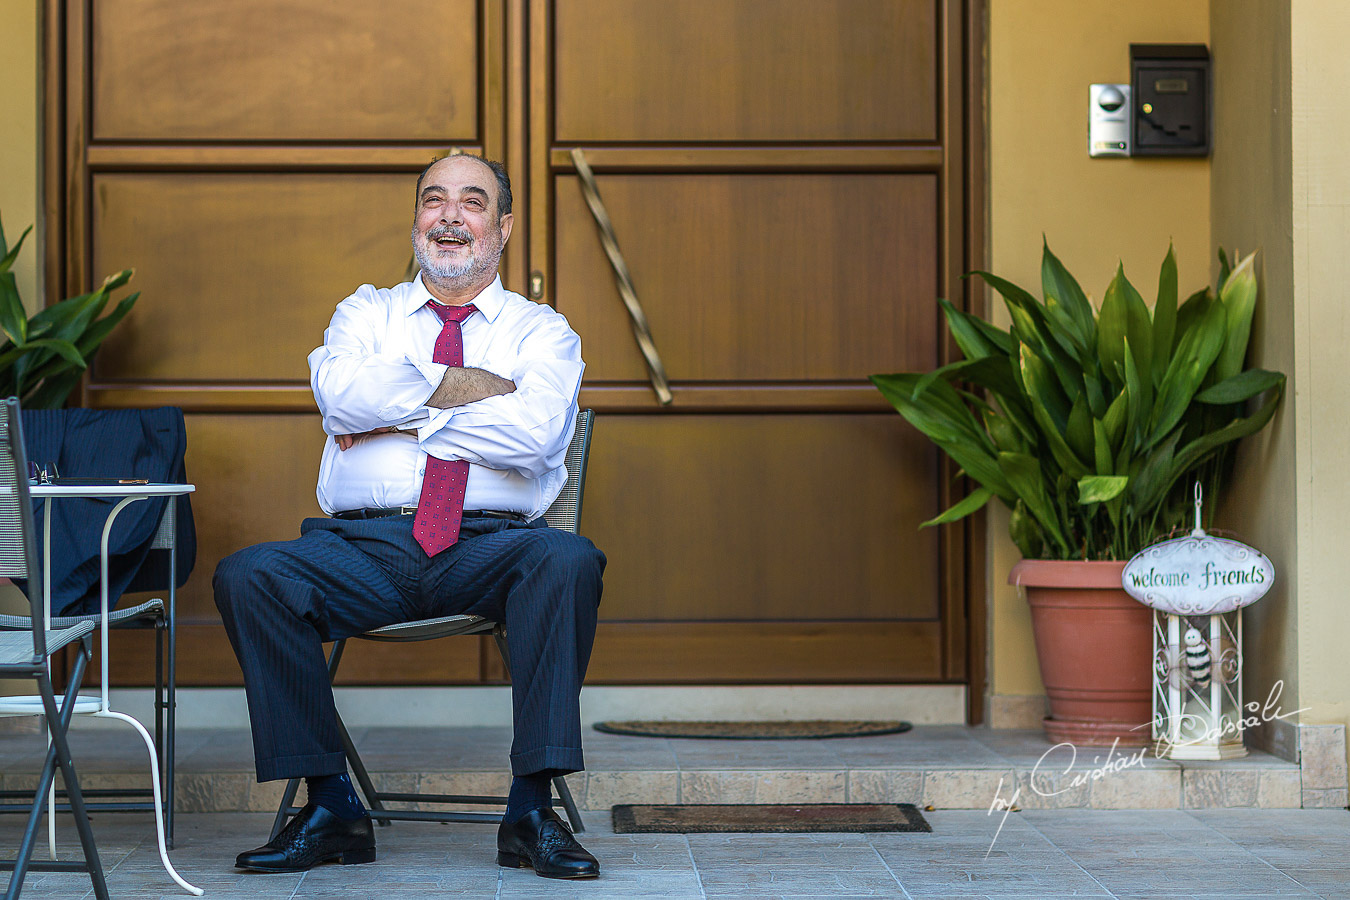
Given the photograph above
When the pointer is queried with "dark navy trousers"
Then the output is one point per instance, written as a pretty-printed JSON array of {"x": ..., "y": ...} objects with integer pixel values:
[{"x": 280, "y": 601}]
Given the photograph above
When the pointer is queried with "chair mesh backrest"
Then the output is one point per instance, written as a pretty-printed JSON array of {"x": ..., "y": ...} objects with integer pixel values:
[
  {"x": 565, "y": 513},
  {"x": 18, "y": 549}
]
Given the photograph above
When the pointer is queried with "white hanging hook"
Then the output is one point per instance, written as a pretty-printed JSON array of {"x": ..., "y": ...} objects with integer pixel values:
[{"x": 1199, "y": 503}]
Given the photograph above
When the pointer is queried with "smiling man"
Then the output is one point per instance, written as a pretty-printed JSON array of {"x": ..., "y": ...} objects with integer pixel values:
[{"x": 449, "y": 403}]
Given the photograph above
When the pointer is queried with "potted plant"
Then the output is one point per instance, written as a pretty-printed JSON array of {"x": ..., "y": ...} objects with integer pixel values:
[
  {"x": 1092, "y": 425},
  {"x": 43, "y": 356}
]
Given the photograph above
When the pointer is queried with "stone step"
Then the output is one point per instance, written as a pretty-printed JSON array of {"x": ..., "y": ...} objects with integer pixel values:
[{"x": 943, "y": 767}]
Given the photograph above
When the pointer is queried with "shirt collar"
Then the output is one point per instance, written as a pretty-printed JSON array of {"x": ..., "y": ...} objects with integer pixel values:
[{"x": 489, "y": 301}]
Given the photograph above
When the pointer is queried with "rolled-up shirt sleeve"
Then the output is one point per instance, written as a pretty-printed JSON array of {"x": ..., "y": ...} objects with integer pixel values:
[
  {"x": 527, "y": 430},
  {"x": 357, "y": 387}
]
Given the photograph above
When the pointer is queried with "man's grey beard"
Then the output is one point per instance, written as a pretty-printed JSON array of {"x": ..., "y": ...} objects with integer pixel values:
[{"x": 475, "y": 267}]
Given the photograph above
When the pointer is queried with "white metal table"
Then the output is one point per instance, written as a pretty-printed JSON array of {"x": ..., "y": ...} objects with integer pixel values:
[{"x": 125, "y": 492}]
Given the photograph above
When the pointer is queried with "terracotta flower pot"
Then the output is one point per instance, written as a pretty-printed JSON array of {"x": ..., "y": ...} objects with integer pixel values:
[{"x": 1095, "y": 647}]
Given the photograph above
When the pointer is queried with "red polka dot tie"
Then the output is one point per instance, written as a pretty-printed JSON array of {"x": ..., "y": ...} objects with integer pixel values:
[{"x": 441, "y": 507}]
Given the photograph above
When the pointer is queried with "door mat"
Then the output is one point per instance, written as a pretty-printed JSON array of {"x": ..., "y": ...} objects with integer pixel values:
[
  {"x": 750, "y": 731},
  {"x": 775, "y": 818}
]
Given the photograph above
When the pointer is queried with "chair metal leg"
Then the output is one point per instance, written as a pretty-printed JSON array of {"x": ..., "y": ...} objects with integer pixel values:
[
  {"x": 284, "y": 810},
  {"x": 359, "y": 770},
  {"x": 570, "y": 805},
  {"x": 349, "y": 747},
  {"x": 59, "y": 755},
  {"x": 171, "y": 677},
  {"x": 160, "y": 747}
]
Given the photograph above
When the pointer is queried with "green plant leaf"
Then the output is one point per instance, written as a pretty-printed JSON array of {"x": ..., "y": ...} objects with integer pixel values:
[
  {"x": 1078, "y": 431},
  {"x": 1101, "y": 448},
  {"x": 1240, "y": 387},
  {"x": 1056, "y": 282},
  {"x": 64, "y": 349},
  {"x": 1195, "y": 452},
  {"x": 7, "y": 258},
  {"x": 1023, "y": 473},
  {"x": 13, "y": 318},
  {"x": 1100, "y": 488},
  {"x": 1196, "y": 352},
  {"x": 97, "y": 332},
  {"x": 1139, "y": 392},
  {"x": 1164, "y": 317},
  {"x": 1124, "y": 315},
  {"x": 975, "y": 336},
  {"x": 1025, "y": 532},
  {"x": 977, "y": 499},
  {"x": 1238, "y": 297}
]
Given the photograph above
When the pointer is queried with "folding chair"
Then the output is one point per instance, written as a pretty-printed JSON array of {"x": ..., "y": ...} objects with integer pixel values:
[
  {"x": 565, "y": 513},
  {"x": 27, "y": 653}
]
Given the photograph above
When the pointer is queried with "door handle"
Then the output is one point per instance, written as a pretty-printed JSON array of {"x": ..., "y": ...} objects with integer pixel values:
[{"x": 642, "y": 333}]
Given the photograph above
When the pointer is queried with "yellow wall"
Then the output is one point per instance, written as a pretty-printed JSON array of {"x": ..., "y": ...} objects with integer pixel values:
[
  {"x": 19, "y": 127},
  {"x": 1252, "y": 209},
  {"x": 1321, "y": 266},
  {"x": 1043, "y": 54}
]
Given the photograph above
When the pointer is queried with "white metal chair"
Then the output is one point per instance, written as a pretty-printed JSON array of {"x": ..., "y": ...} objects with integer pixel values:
[
  {"x": 565, "y": 513},
  {"x": 26, "y": 653}
]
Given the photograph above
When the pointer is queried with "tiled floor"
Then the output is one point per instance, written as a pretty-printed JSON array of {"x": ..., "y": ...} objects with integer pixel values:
[
  {"x": 1146, "y": 828},
  {"x": 1039, "y": 854}
]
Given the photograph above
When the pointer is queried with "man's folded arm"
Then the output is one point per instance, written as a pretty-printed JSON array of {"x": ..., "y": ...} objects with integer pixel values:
[
  {"x": 359, "y": 390},
  {"x": 526, "y": 429}
]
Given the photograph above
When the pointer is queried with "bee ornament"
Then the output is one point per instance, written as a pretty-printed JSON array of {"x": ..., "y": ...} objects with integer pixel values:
[{"x": 1197, "y": 658}]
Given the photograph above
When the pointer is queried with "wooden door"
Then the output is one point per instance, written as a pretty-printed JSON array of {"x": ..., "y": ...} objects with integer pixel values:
[{"x": 788, "y": 180}]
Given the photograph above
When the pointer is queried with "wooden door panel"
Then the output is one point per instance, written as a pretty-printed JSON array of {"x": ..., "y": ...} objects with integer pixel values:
[
  {"x": 745, "y": 70},
  {"x": 763, "y": 518},
  {"x": 240, "y": 273},
  {"x": 304, "y": 70},
  {"x": 756, "y": 276},
  {"x": 255, "y": 477}
]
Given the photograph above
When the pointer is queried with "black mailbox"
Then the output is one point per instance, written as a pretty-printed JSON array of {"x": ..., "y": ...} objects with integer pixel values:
[{"x": 1170, "y": 88}]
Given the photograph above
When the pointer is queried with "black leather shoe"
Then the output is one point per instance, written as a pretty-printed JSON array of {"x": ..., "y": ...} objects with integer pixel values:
[
  {"x": 540, "y": 839},
  {"x": 314, "y": 836}
]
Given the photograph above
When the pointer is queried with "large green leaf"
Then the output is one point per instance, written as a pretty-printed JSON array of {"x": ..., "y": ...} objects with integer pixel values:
[
  {"x": 1240, "y": 387},
  {"x": 1056, "y": 282},
  {"x": 1124, "y": 315},
  {"x": 1164, "y": 316},
  {"x": 1100, "y": 488},
  {"x": 975, "y": 336},
  {"x": 1025, "y": 532},
  {"x": 1023, "y": 473},
  {"x": 1101, "y": 449},
  {"x": 977, "y": 499},
  {"x": 945, "y": 420},
  {"x": 1078, "y": 433},
  {"x": 1194, "y": 452},
  {"x": 13, "y": 319},
  {"x": 1139, "y": 391},
  {"x": 1238, "y": 297},
  {"x": 1031, "y": 327},
  {"x": 1196, "y": 352},
  {"x": 7, "y": 258},
  {"x": 1051, "y": 413}
]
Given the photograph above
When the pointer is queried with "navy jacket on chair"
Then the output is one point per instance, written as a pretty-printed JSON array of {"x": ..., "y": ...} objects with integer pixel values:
[{"x": 110, "y": 444}]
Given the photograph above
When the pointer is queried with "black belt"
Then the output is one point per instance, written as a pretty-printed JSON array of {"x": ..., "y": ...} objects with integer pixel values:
[{"x": 379, "y": 512}]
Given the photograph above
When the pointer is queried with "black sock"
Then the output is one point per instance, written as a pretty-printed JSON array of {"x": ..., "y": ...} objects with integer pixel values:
[
  {"x": 528, "y": 793},
  {"x": 335, "y": 794}
]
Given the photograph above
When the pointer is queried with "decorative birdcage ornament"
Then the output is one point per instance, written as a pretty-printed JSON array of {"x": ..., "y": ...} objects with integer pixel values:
[{"x": 1197, "y": 586}]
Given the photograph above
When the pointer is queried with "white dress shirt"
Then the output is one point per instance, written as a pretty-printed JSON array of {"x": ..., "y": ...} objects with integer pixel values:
[{"x": 374, "y": 370}]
